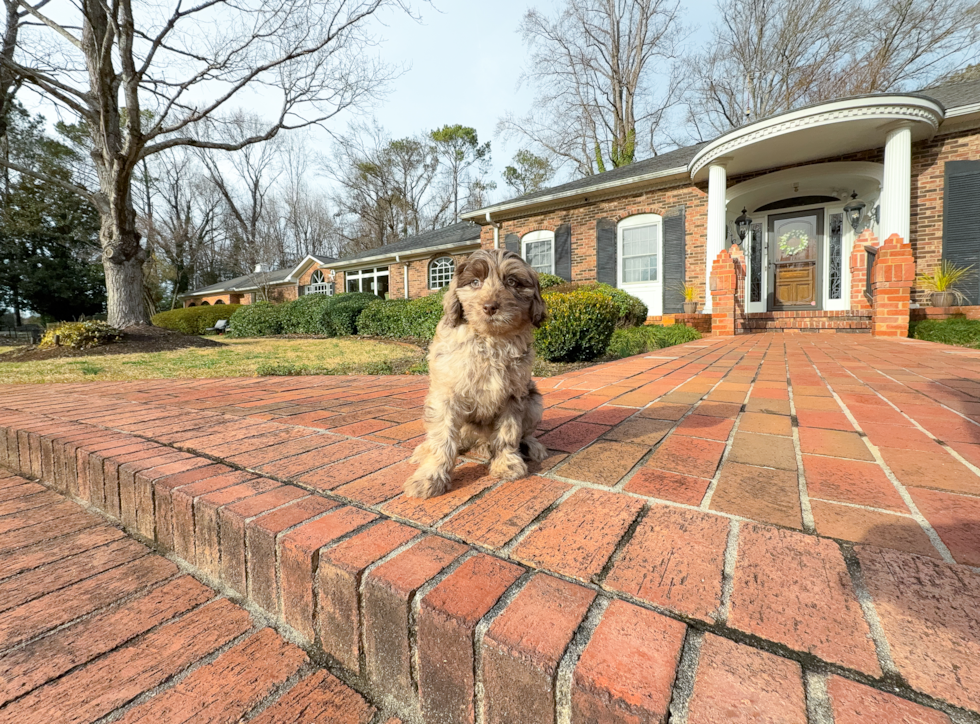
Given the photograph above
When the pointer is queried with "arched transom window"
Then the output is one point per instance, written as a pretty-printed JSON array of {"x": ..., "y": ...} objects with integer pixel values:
[
  {"x": 538, "y": 250},
  {"x": 318, "y": 284},
  {"x": 441, "y": 272}
]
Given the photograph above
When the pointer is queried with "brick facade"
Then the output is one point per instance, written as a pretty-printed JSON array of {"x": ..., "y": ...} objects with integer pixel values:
[
  {"x": 694, "y": 199},
  {"x": 928, "y": 177}
]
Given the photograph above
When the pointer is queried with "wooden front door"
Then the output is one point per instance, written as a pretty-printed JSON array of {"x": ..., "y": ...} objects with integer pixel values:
[{"x": 794, "y": 253}]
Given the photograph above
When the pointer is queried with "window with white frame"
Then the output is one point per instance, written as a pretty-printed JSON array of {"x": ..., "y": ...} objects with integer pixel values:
[
  {"x": 639, "y": 249},
  {"x": 318, "y": 284},
  {"x": 441, "y": 272},
  {"x": 373, "y": 280},
  {"x": 538, "y": 249}
]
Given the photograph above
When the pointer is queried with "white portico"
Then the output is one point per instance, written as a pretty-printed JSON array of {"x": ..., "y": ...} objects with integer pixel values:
[{"x": 798, "y": 238}]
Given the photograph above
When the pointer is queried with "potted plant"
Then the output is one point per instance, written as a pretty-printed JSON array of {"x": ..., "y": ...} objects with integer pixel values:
[
  {"x": 689, "y": 291},
  {"x": 942, "y": 282}
]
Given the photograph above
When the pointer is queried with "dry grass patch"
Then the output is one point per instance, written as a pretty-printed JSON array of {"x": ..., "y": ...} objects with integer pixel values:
[{"x": 232, "y": 358}]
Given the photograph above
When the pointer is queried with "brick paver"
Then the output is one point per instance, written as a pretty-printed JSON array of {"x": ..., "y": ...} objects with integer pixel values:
[{"x": 787, "y": 523}]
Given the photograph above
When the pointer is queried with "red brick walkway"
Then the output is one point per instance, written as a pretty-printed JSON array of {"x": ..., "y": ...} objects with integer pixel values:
[
  {"x": 93, "y": 625},
  {"x": 781, "y": 524}
]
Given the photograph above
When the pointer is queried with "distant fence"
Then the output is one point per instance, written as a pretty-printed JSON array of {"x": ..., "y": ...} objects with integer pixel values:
[{"x": 28, "y": 333}]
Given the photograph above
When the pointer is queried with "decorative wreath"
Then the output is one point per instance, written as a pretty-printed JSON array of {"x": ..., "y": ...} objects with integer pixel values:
[{"x": 788, "y": 249}]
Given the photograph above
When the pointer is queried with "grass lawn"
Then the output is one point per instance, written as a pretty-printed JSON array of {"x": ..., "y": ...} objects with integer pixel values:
[
  {"x": 955, "y": 330},
  {"x": 235, "y": 358}
]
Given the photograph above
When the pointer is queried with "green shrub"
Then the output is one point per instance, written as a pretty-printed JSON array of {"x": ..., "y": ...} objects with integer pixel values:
[
  {"x": 637, "y": 340},
  {"x": 308, "y": 315},
  {"x": 549, "y": 280},
  {"x": 80, "y": 335},
  {"x": 579, "y": 325},
  {"x": 194, "y": 320},
  {"x": 402, "y": 318},
  {"x": 344, "y": 309},
  {"x": 384, "y": 318},
  {"x": 631, "y": 311},
  {"x": 960, "y": 331},
  {"x": 257, "y": 320}
]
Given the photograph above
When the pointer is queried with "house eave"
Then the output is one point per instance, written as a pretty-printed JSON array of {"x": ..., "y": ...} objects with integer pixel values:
[
  {"x": 576, "y": 196},
  {"x": 409, "y": 255}
]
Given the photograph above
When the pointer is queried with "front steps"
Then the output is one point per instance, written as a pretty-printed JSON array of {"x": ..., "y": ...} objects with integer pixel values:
[{"x": 847, "y": 321}]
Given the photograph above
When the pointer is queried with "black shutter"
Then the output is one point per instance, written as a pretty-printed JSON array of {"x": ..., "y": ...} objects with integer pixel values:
[
  {"x": 673, "y": 262},
  {"x": 512, "y": 242},
  {"x": 605, "y": 251},
  {"x": 961, "y": 222},
  {"x": 563, "y": 252}
]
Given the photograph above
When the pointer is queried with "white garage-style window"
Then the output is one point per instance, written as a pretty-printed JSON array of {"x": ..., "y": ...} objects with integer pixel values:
[
  {"x": 318, "y": 284},
  {"x": 373, "y": 280},
  {"x": 640, "y": 242},
  {"x": 441, "y": 272},
  {"x": 538, "y": 250}
]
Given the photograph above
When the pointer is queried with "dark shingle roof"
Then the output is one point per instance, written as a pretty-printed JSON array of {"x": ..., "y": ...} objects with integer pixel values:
[
  {"x": 954, "y": 95},
  {"x": 678, "y": 158},
  {"x": 324, "y": 259},
  {"x": 249, "y": 281},
  {"x": 461, "y": 233}
]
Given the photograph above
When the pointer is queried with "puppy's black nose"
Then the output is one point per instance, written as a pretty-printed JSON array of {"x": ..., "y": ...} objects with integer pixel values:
[{"x": 491, "y": 309}]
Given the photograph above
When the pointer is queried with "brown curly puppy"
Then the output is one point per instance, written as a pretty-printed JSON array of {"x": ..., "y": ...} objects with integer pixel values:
[{"x": 481, "y": 395}]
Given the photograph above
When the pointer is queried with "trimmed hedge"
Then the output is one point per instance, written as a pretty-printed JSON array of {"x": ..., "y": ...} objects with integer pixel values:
[
  {"x": 81, "y": 335},
  {"x": 344, "y": 309},
  {"x": 261, "y": 319},
  {"x": 632, "y": 312},
  {"x": 310, "y": 314},
  {"x": 637, "y": 340},
  {"x": 401, "y": 318},
  {"x": 550, "y": 280},
  {"x": 579, "y": 325},
  {"x": 194, "y": 320}
]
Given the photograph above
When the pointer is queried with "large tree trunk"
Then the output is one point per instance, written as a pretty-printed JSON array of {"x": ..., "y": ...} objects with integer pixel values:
[{"x": 122, "y": 259}]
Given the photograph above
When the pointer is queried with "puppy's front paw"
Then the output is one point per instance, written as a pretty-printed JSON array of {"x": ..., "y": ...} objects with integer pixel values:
[
  {"x": 420, "y": 452},
  {"x": 508, "y": 466},
  {"x": 426, "y": 484},
  {"x": 536, "y": 452}
]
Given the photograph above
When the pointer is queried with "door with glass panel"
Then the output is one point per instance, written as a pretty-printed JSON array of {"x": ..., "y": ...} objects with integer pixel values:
[
  {"x": 794, "y": 260},
  {"x": 640, "y": 252}
]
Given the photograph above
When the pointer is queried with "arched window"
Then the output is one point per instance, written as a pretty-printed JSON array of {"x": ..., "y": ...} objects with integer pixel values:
[
  {"x": 318, "y": 284},
  {"x": 441, "y": 272},
  {"x": 192, "y": 304},
  {"x": 205, "y": 304},
  {"x": 538, "y": 250}
]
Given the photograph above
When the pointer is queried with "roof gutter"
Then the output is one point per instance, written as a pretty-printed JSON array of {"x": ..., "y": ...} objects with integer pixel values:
[
  {"x": 481, "y": 216},
  {"x": 411, "y": 253},
  {"x": 496, "y": 231}
]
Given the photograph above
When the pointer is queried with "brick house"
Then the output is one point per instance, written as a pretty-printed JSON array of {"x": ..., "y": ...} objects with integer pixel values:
[
  {"x": 406, "y": 269},
  {"x": 798, "y": 202}
]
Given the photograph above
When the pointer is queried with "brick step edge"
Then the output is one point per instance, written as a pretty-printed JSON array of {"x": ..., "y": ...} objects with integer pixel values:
[
  {"x": 399, "y": 610},
  {"x": 431, "y": 628}
]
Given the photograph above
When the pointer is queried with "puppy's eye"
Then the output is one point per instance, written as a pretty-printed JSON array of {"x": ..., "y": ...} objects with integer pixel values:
[
  {"x": 476, "y": 284},
  {"x": 513, "y": 283}
]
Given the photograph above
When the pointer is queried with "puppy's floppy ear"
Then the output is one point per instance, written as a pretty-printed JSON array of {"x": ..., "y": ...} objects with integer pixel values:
[
  {"x": 452, "y": 309},
  {"x": 539, "y": 311}
]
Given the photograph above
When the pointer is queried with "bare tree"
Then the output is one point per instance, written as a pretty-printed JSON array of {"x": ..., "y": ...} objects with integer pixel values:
[
  {"x": 385, "y": 187},
  {"x": 116, "y": 59},
  {"x": 769, "y": 56},
  {"x": 606, "y": 78}
]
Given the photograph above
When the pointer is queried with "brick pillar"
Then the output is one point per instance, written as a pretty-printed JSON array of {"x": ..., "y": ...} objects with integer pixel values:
[
  {"x": 894, "y": 273},
  {"x": 859, "y": 269},
  {"x": 724, "y": 291}
]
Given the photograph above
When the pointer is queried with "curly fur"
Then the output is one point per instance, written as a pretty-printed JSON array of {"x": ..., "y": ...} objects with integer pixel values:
[{"x": 481, "y": 395}]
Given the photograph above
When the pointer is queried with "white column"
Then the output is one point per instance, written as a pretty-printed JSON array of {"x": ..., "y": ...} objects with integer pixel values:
[
  {"x": 896, "y": 189},
  {"x": 715, "y": 243}
]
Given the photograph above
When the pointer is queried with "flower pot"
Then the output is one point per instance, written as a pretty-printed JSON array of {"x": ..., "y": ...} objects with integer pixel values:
[
  {"x": 690, "y": 307},
  {"x": 943, "y": 299}
]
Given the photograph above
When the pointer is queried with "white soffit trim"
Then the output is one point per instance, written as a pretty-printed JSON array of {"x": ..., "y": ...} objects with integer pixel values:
[
  {"x": 866, "y": 116},
  {"x": 408, "y": 255},
  {"x": 300, "y": 267},
  {"x": 622, "y": 184}
]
